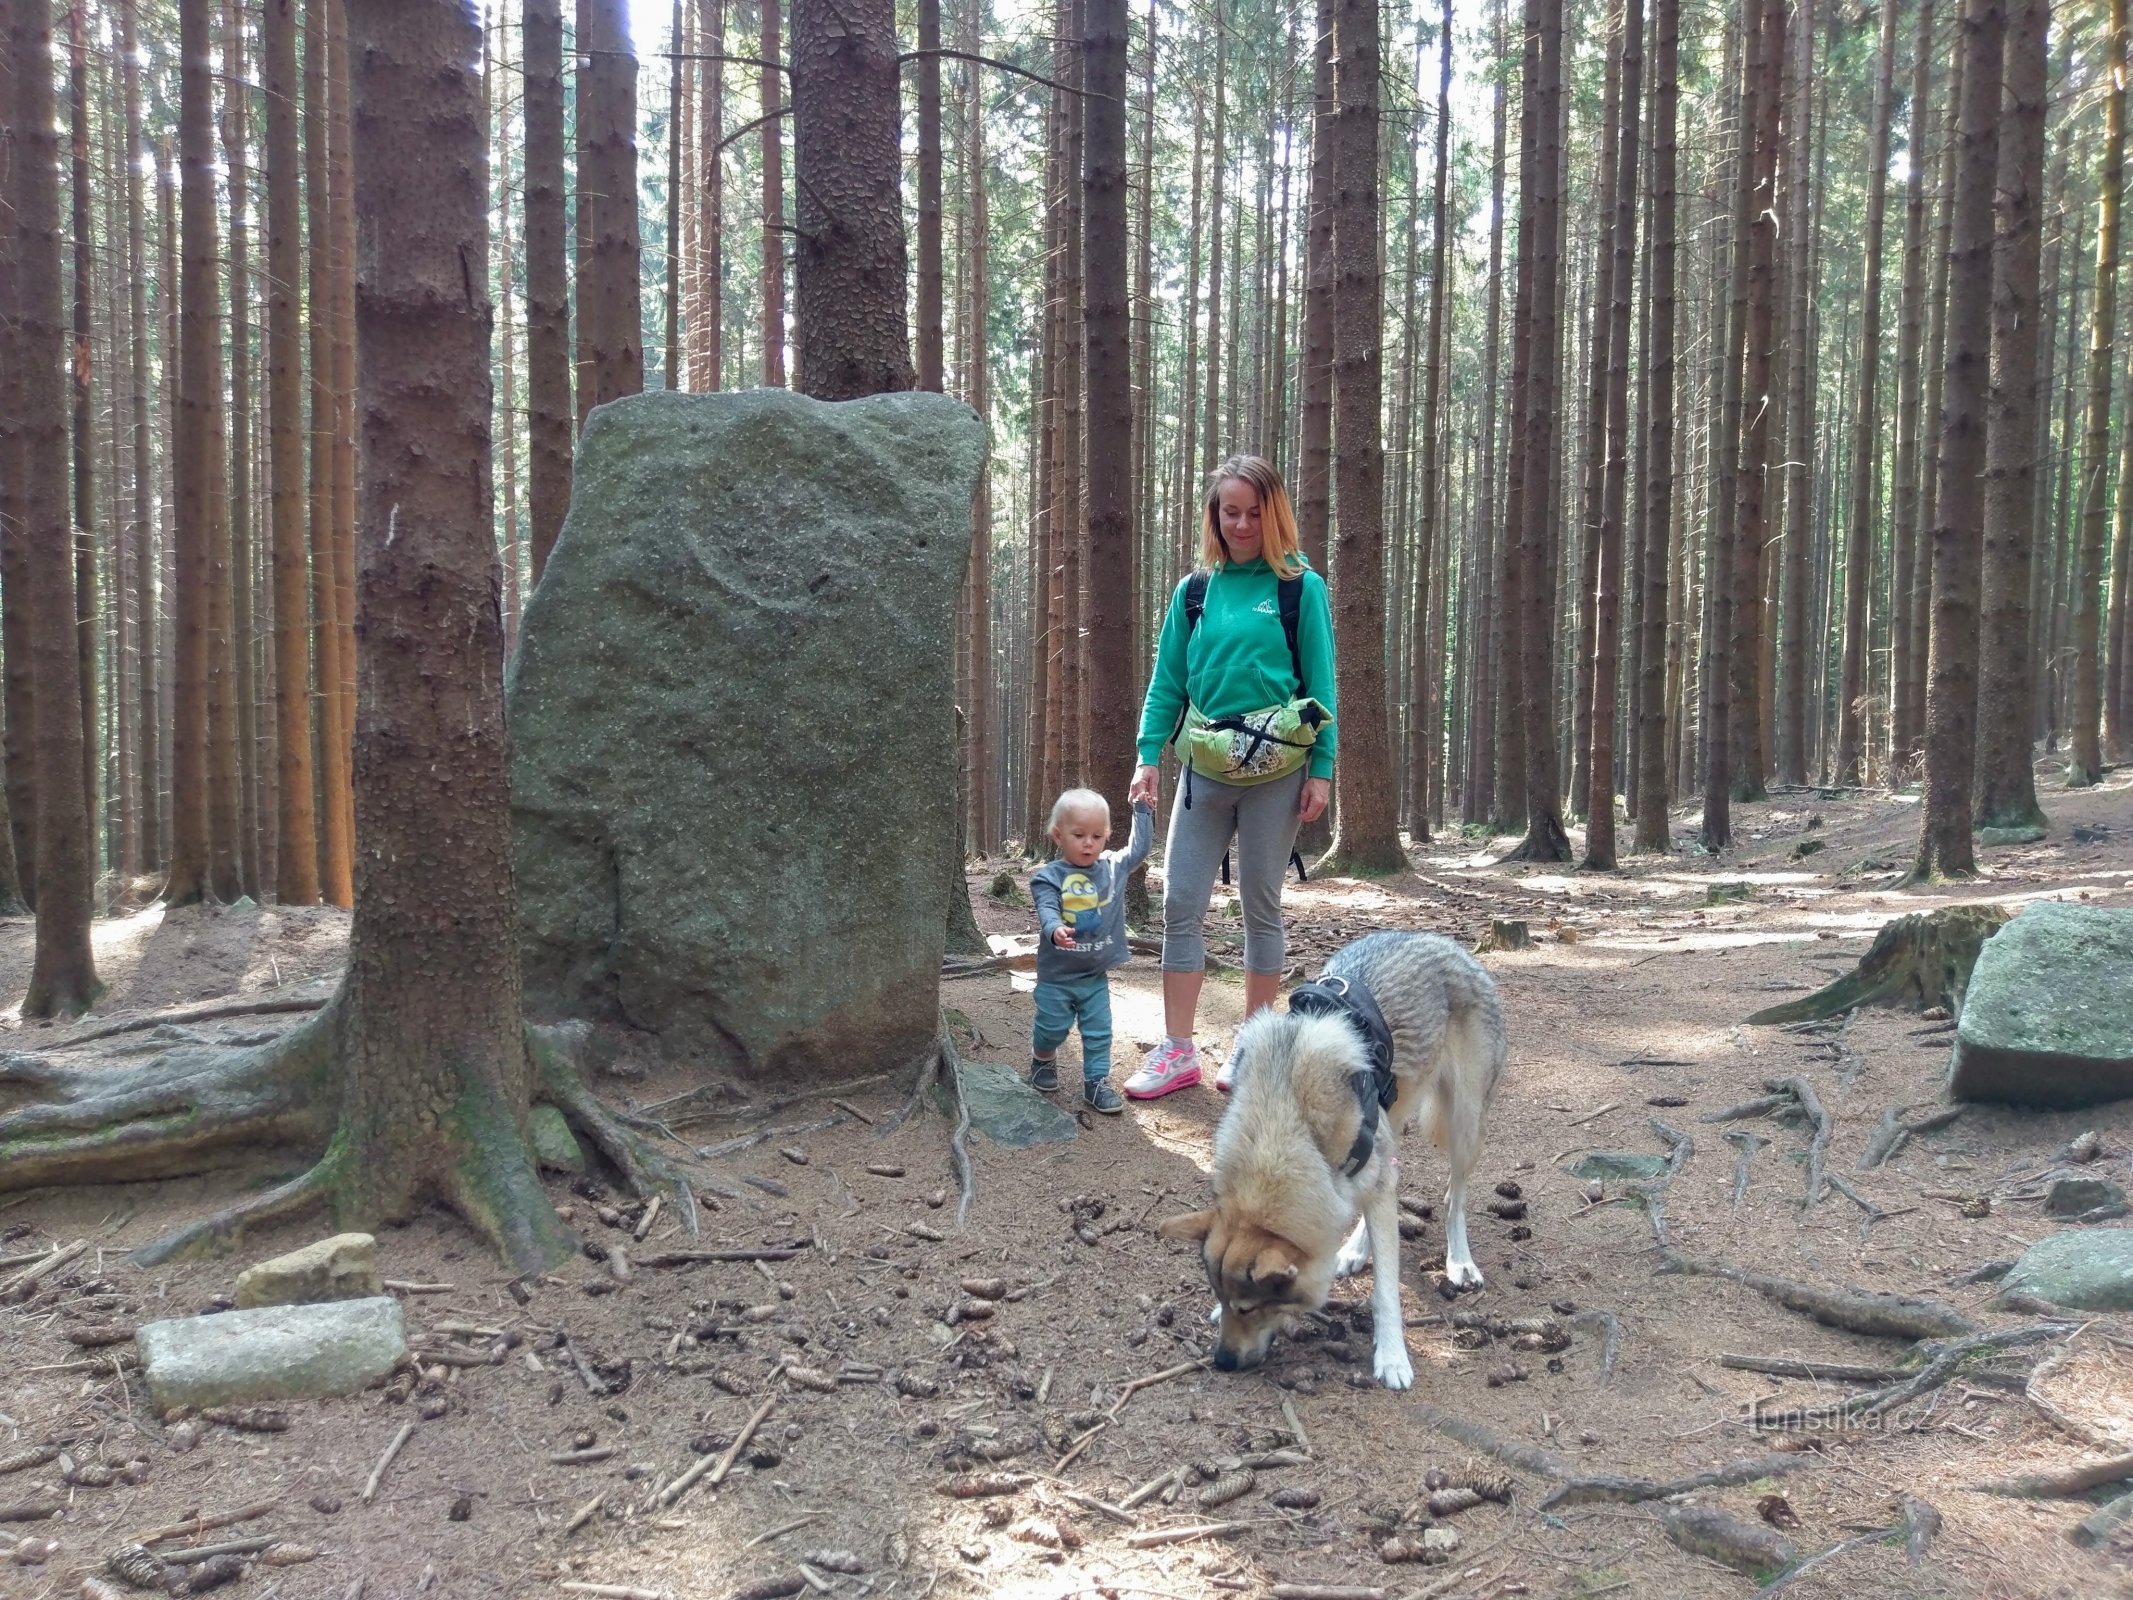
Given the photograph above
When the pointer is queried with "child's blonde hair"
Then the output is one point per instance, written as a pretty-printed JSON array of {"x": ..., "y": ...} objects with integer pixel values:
[
  {"x": 1074, "y": 803},
  {"x": 1279, "y": 543}
]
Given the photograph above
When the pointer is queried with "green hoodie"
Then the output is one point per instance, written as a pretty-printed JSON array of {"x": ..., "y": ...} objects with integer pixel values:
[{"x": 1237, "y": 660}]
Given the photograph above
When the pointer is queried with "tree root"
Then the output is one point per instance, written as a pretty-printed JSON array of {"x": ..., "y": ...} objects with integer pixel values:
[
  {"x": 282, "y": 1006},
  {"x": 2045, "y": 1408},
  {"x": 1873, "y": 1212},
  {"x": 2066, "y": 1482},
  {"x": 1654, "y": 1192},
  {"x": 1944, "y": 1361},
  {"x": 1509, "y": 1451},
  {"x": 1920, "y": 960},
  {"x": 224, "y": 1230},
  {"x": 644, "y": 1170},
  {"x": 1892, "y": 1133},
  {"x": 1610, "y": 1327},
  {"x": 1802, "y": 1092},
  {"x": 1880, "y": 1316},
  {"x": 949, "y": 1065},
  {"x": 1800, "y": 1569},
  {"x": 1633, "y": 1491},
  {"x": 1749, "y": 1143}
]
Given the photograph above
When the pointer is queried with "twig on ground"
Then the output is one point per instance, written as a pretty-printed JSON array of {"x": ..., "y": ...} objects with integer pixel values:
[
  {"x": 1074, "y": 1450},
  {"x": 717, "y": 1472},
  {"x": 1329, "y": 1591},
  {"x": 1149, "y": 1538},
  {"x": 1882, "y": 1316},
  {"x": 683, "y": 1258},
  {"x": 784, "y": 1528},
  {"x": 1595, "y": 1115},
  {"x": 377, "y": 1473},
  {"x": 584, "y": 1513},
  {"x": 1153, "y": 1487},
  {"x": 1296, "y": 1427},
  {"x": 1151, "y": 1380},
  {"x": 205, "y": 1524},
  {"x": 47, "y": 1264}
]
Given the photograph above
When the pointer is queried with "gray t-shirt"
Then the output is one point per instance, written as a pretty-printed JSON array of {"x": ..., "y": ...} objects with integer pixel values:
[{"x": 1091, "y": 901}]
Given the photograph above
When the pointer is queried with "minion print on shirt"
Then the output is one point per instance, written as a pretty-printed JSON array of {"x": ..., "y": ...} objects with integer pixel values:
[{"x": 1081, "y": 905}]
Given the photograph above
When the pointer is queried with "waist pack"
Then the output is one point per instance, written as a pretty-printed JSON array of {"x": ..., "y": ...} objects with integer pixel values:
[{"x": 1254, "y": 746}]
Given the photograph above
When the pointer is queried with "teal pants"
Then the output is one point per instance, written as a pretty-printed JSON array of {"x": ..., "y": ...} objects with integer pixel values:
[{"x": 1060, "y": 1005}]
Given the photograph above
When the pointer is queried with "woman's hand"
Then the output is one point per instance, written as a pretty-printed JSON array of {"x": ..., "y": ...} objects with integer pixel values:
[
  {"x": 1317, "y": 792},
  {"x": 1143, "y": 786}
]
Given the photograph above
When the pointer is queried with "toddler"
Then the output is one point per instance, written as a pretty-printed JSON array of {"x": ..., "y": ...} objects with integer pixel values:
[{"x": 1081, "y": 910}]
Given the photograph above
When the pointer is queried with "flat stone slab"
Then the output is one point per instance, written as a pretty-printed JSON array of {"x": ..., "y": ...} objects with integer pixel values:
[
  {"x": 1619, "y": 1166},
  {"x": 1008, "y": 1111},
  {"x": 2087, "y": 1271},
  {"x": 2048, "y": 1018},
  {"x": 344, "y": 1267},
  {"x": 272, "y": 1353}
]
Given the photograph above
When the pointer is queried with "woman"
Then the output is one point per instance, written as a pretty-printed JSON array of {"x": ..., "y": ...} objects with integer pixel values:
[{"x": 1235, "y": 659}]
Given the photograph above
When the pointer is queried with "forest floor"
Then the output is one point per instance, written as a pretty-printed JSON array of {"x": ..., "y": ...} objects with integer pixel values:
[{"x": 1642, "y": 1006}]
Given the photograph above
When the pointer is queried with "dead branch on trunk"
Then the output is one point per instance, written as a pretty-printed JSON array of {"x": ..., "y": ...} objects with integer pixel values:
[{"x": 1880, "y": 1316}]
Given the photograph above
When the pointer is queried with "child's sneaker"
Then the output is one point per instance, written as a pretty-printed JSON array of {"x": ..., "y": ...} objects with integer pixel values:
[
  {"x": 1043, "y": 1074},
  {"x": 1166, "y": 1068},
  {"x": 1098, "y": 1095}
]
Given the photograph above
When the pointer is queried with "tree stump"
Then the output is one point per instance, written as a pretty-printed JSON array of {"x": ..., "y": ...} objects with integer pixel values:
[{"x": 1917, "y": 961}]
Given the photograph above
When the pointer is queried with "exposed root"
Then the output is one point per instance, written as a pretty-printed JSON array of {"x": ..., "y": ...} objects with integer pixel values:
[
  {"x": 643, "y": 1169},
  {"x": 2064, "y": 1483},
  {"x": 281, "y": 1006},
  {"x": 1654, "y": 1192},
  {"x": 1920, "y": 960},
  {"x": 1800, "y": 1569},
  {"x": 2072, "y": 1427},
  {"x": 1892, "y": 1133},
  {"x": 1610, "y": 1327},
  {"x": 1632, "y": 1491},
  {"x": 1873, "y": 1212},
  {"x": 1944, "y": 1361},
  {"x": 950, "y": 1067},
  {"x": 225, "y": 1229},
  {"x": 1509, "y": 1451},
  {"x": 1749, "y": 1143},
  {"x": 1803, "y": 1093},
  {"x": 1921, "y": 1525},
  {"x": 1880, "y": 1316},
  {"x": 1759, "y": 1107}
]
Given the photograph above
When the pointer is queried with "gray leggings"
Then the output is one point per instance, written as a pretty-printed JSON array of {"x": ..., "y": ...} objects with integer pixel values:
[{"x": 1263, "y": 819}]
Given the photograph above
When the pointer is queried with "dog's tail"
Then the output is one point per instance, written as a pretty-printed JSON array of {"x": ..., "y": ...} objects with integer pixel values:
[{"x": 1470, "y": 1063}]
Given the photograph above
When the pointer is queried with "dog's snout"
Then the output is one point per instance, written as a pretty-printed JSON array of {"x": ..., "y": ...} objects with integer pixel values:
[{"x": 1225, "y": 1359}]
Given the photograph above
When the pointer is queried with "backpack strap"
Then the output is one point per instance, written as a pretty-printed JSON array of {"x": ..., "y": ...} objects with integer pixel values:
[
  {"x": 1195, "y": 600},
  {"x": 1290, "y": 598}
]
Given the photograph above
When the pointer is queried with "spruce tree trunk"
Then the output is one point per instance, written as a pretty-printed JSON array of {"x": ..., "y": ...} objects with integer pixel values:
[
  {"x": 549, "y": 416},
  {"x": 1614, "y": 499},
  {"x": 1113, "y": 672},
  {"x": 1652, "y": 748},
  {"x": 146, "y": 835},
  {"x": 674, "y": 243},
  {"x": 1944, "y": 848},
  {"x": 340, "y": 188},
  {"x": 296, "y": 856},
  {"x": 1866, "y": 417},
  {"x": 236, "y": 145},
  {"x": 2006, "y": 778},
  {"x": 849, "y": 262},
  {"x": 1218, "y": 168},
  {"x": 611, "y": 297},
  {"x": 1795, "y": 641},
  {"x": 984, "y": 803},
  {"x": 928, "y": 71},
  {"x": 1366, "y": 831},
  {"x": 17, "y": 698},
  {"x": 1069, "y": 531},
  {"x": 88, "y": 612},
  {"x": 1918, "y": 607},
  {"x": 1314, "y": 378},
  {"x": 1427, "y": 643},
  {"x": 63, "y": 981},
  {"x": 1485, "y": 672},
  {"x": 774, "y": 230},
  {"x": 707, "y": 369},
  {"x": 1910, "y": 420}
]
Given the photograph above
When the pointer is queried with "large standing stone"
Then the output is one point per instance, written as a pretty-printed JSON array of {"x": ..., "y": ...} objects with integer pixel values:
[
  {"x": 2091, "y": 1270},
  {"x": 272, "y": 1353},
  {"x": 2048, "y": 1017},
  {"x": 732, "y": 711}
]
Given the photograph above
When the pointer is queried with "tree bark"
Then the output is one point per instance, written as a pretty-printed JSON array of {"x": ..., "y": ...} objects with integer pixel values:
[
  {"x": 296, "y": 856},
  {"x": 1910, "y": 423},
  {"x": 88, "y": 611},
  {"x": 1426, "y": 645},
  {"x": 774, "y": 230},
  {"x": 2006, "y": 778},
  {"x": 1795, "y": 642},
  {"x": 1511, "y": 573},
  {"x": 612, "y": 299},
  {"x": 1113, "y": 673},
  {"x": 549, "y": 417},
  {"x": 1314, "y": 381},
  {"x": 1485, "y": 670},
  {"x": 1366, "y": 832},
  {"x": 710, "y": 339},
  {"x": 1211, "y": 434},
  {"x": 63, "y": 981},
  {"x": 236, "y": 141},
  {"x": 985, "y": 809},
  {"x": 146, "y": 835},
  {"x": 1600, "y": 800},
  {"x": 340, "y": 190},
  {"x": 17, "y": 699},
  {"x": 849, "y": 264},
  {"x": 928, "y": 67},
  {"x": 1652, "y": 787},
  {"x": 1944, "y": 848},
  {"x": 680, "y": 214}
]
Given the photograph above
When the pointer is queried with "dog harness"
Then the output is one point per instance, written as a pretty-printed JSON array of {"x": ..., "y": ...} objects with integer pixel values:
[{"x": 1375, "y": 1089}]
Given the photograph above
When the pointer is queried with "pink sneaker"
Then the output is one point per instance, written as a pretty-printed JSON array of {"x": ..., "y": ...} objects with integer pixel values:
[{"x": 1165, "y": 1069}]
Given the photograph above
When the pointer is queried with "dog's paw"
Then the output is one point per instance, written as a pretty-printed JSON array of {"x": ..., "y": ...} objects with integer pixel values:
[
  {"x": 1462, "y": 1274},
  {"x": 1352, "y": 1259},
  {"x": 1394, "y": 1370}
]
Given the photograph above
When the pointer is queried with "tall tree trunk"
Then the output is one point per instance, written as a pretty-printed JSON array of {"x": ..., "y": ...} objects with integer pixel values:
[
  {"x": 1545, "y": 839},
  {"x": 1795, "y": 643},
  {"x": 1910, "y": 424},
  {"x": 2006, "y": 778},
  {"x": 1511, "y": 574},
  {"x": 1652, "y": 789},
  {"x": 88, "y": 612},
  {"x": 849, "y": 265},
  {"x": 549, "y": 416},
  {"x": 1113, "y": 672},
  {"x": 1944, "y": 847},
  {"x": 1314, "y": 386},
  {"x": 236, "y": 139},
  {"x": 1600, "y": 802},
  {"x": 296, "y": 858},
  {"x": 1211, "y": 434},
  {"x": 1069, "y": 531},
  {"x": 983, "y": 721},
  {"x": 1427, "y": 644},
  {"x": 773, "y": 164},
  {"x": 1866, "y": 418},
  {"x": 340, "y": 187},
  {"x": 2085, "y": 746},
  {"x": 1479, "y": 802},
  {"x": 63, "y": 981},
  {"x": 671, "y": 246},
  {"x": 499, "y": 73},
  {"x": 1366, "y": 831},
  {"x": 17, "y": 699},
  {"x": 607, "y": 105},
  {"x": 139, "y": 534},
  {"x": 929, "y": 194},
  {"x": 1918, "y": 607},
  {"x": 711, "y": 226}
]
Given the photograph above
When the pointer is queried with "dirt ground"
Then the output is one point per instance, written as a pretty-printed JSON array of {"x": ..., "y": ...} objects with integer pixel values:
[{"x": 1632, "y": 998}]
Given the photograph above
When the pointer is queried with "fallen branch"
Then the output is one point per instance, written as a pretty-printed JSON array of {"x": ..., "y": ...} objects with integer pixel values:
[
  {"x": 377, "y": 1473},
  {"x": 1813, "y": 1371},
  {"x": 1880, "y": 1316},
  {"x": 2065, "y": 1482},
  {"x": 683, "y": 1258},
  {"x": 615, "y": 1591},
  {"x": 46, "y": 1265},
  {"x": 584, "y": 1513},
  {"x": 1892, "y": 1133},
  {"x": 717, "y": 1473},
  {"x": 1074, "y": 1450},
  {"x": 205, "y": 1524},
  {"x": 1152, "y": 1537},
  {"x": 1329, "y": 1591},
  {"x": 1151, "y": 1380},
  {"x": 1102, "y": 1508},
  {"x": 1634, "y": 1491}
]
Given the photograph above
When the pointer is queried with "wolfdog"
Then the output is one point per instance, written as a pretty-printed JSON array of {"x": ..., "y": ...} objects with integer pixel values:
[{"x": 1401, "y": 1027}]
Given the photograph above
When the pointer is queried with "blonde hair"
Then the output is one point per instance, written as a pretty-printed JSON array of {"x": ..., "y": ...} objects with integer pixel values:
[
  {"x": 1279, "y": 544},
  {"x": 1075, "y": 803}
]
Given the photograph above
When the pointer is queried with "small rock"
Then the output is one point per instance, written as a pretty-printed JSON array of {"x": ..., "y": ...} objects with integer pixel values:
[
  {"x": 2089, "y": 1271},
  {"x": 2077, "y": 1197},
  {"x": 462, "y": 1508},
  {"x": 555, "y": 1147},
  {"x": 2085, "y": 1148},
  {"x": 344, "y": 1267},
  {"x": 305, "y": 1352},
  {"x": 326, "y": 1505}
]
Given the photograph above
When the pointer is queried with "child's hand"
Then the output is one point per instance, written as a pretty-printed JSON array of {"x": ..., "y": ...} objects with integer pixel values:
[{"x": 1063, "y": 936}]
